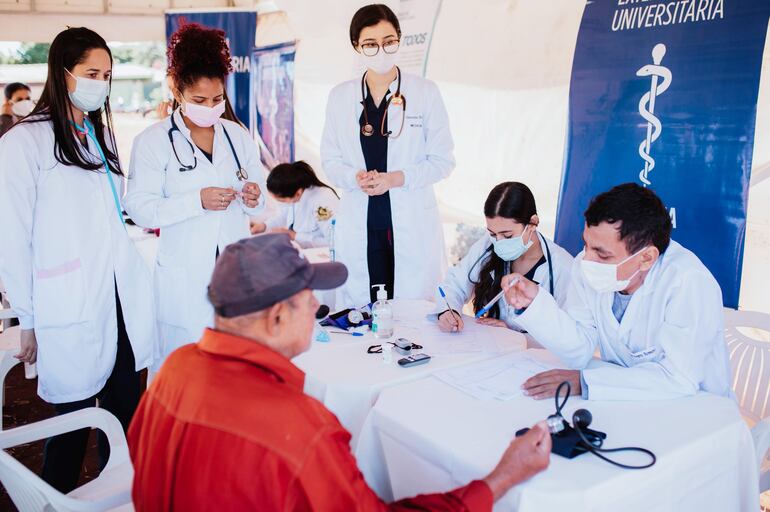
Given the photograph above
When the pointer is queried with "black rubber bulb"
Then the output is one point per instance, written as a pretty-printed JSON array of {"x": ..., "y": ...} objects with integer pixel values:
[{"x": 582, "y": 418}]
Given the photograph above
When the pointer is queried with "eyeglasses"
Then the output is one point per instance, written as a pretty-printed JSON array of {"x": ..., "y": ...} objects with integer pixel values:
[
  {"x": 377, "y": 349},
  {"x": 372, "y": 49}
]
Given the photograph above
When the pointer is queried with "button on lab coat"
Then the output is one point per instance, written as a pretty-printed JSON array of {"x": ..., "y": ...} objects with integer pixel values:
[
  {"x": 310, "y": 217},
  {"x": 423, "y": 152},
  {"x": 64, "y": 251},
  {"x": 461, "y": 279},
  {"x": 670, "y": 342},
  {"x": 160, "y": 196}
]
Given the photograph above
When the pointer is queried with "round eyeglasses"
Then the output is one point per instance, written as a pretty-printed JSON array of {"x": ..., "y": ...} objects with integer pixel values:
[{"x": 372, "y": 49}]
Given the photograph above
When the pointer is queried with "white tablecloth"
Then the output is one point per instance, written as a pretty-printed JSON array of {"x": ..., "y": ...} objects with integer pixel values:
[
  {"x": 348, "y": 381},
  {"x": 431, "y": 437}
]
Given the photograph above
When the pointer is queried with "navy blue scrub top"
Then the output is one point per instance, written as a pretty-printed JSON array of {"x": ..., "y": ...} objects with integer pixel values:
[{"x": 375, "y": 149}]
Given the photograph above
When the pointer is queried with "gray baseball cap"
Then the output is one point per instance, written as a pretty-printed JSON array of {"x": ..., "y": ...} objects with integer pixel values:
[{"x": 256, "y": 273}]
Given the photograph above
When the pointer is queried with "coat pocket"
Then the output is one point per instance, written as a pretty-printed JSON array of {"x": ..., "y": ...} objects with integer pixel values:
[
  {"x": 171, "y": 294},
  {"x": 59, "y": 294}
]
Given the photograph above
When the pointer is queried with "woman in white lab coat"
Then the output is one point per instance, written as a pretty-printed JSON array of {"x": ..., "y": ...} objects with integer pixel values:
[
  {"x": 82, "y": 291},
  {"x": 308, "y": 205},
  {"x": 196, "y": 177},
  {"x": 385, "y": 143},
  {"x": 513, "y": 245}
]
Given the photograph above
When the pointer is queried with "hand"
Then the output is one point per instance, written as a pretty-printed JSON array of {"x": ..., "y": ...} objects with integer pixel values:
[
  {"x": 525, "y": 457},
  {"x": 250, "y": 194},
  {"x": 216, "y": 198},
  {"x": 381, "y": 182},
  {"x": 492, "y": 322},
  {"x": 450, "y": 321},
  {"x": 28, "y": 352},
  {"x": 7, "y": 109},
  {"x": 258, "y": 227},
  {"x": 522, "y": 293},
  {"x": 543, "y": 385},
  {"x": 362, "y": 179},
  {"x": 292, "y": 234},
  {"x": 162, "y": 110}
]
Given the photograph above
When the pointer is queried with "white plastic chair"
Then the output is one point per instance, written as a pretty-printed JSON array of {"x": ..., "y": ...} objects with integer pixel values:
[
  {"x": 750, "y": 365},
  {"x": 111, "y": 490}
]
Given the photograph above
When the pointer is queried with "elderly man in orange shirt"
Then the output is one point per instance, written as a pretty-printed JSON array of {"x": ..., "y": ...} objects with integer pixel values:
[{"x": 226, "y": 425}]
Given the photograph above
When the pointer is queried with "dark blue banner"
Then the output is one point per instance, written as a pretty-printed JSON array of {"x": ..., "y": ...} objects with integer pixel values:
[
  {"x": 240, "y": 29},
  {"x": 664, "y": 93},
  {"x": 273, "y": 96}
]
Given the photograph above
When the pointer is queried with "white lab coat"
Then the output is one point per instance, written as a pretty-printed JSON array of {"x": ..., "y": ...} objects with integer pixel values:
[
  {"x": 670, "y": 342},
  {"x": 160, "y": 196},
  {"x": 310, "y": 217},
  {"x": 65, "y": 249},
  {"x": 460, "y": 280},
  {"x": 424, "y": 152}
]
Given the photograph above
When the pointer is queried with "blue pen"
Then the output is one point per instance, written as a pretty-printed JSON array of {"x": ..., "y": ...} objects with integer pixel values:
[
  {"x": 483, "y": 311},
  {"x": 451, "y": 311},
  {"x": 354, "y": 333}
]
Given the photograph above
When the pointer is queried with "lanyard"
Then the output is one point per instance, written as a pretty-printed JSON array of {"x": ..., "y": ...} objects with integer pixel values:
[{"x": 88, "y": 129}]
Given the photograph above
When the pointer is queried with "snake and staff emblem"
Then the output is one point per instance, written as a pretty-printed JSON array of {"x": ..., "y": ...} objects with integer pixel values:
[{"x": 660, "y": 80}]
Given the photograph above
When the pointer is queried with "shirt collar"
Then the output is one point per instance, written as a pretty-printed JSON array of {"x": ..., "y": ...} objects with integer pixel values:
[{"x": 250, "y": 351}]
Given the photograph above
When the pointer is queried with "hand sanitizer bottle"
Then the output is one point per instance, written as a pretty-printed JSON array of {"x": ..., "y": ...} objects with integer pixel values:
[{"x": 382, "y": 314}]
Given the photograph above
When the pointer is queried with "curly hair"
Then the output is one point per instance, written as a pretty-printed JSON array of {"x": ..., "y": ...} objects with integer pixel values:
[{"x": 197, "y": 52}]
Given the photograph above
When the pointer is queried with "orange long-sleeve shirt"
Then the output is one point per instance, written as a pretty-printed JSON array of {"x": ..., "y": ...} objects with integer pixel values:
[{"x": 226, "y": 426}]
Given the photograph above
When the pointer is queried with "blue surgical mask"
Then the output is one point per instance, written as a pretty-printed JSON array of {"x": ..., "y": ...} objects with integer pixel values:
[
  {"x": 510, "y": 249},
  {"x": 89, "y": 95}
]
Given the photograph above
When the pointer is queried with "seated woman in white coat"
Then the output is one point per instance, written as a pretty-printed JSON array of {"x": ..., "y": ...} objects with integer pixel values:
[
  {"x": 80, "y": 287},
  {"x": 308, "y": 205},
  {"x": 385, "y": 143},
  {"x": 196, "y": 177},
  {"x": 649, "y": 305},
  {"x": 513, "y": 245}
]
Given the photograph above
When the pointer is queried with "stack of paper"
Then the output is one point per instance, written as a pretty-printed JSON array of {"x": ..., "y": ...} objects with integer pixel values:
[{"x": 500, "y": 378}]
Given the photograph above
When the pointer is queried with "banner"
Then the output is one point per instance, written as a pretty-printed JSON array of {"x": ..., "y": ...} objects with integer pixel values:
[
  {"x": 240, "y": 29},
  {"x": 417, "y": 19},
  {"x": 272, "y": 89},
  {"x": 663, "y": 93}
]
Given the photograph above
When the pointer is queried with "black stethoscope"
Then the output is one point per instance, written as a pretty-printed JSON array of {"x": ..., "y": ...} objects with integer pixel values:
[
  {"x": 240, "y": 173},
  {"x": 397, "y": 99}
]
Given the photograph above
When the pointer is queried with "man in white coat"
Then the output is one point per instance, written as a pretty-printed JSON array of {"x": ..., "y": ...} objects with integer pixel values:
[{"x": 650, "y": 306}]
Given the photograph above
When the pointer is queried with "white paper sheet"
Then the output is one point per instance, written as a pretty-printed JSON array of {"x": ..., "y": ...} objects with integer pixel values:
[{"x": 496, "y": 379}]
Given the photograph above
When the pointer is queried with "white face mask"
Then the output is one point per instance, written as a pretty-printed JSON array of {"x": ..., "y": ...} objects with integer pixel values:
[
  {"x": 380, "y": 63},
  {"x": 202, "y": 115},
  {"x": 89, "y": 95},
  {"x": 22, "y": 108},
  {"x": 603, "y": 277},
  {"x": 510, "y": 249}
]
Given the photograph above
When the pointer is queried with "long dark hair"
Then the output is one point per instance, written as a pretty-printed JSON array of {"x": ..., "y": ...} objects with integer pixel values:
[
  {"x": 509, "y": 200},
  {"x": 69, "y": 49},
  {"x": 285, "y": 179}
]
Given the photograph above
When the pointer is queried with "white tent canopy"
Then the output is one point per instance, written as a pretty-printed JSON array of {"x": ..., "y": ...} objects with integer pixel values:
[{"x": 503, "y": 67}]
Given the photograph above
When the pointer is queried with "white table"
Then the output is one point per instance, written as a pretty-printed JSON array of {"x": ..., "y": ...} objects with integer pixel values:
[
  {"x": 431, "y": 437},
  {"x": 348, "y": 381}
]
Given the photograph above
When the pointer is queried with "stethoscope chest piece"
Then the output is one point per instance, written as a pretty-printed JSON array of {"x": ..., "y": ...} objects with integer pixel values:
[
  {"x": 242, "y": 174},
  {"x": 367, "y": 130}
]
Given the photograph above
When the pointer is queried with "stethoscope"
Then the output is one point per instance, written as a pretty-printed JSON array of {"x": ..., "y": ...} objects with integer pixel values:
[
  {"x": 397, "y": 99},
  {"x": 241, "y": 173}
]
